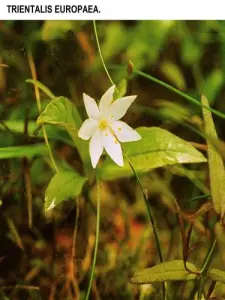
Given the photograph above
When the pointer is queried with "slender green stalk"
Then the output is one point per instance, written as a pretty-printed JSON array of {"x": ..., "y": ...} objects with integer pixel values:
[
  {"x": 169, "y": 87},
  {"x": 37, "y": 96},
  {"x": 151, "y": 220},
  {"x": 208, "y": 196},
  {"x": 208, "y": 258},
  {"x": 74, "y": 278},
  {"x": 100, "y": 53},
  {"x": 49, "y": 148},
  {"x": 149, "y": 211},
  {"x": 96, "y": 241},
  {"x": 205, "y": 268},
  {"x": 138, "y": 180},
  {"x": 200, "y": 289}
]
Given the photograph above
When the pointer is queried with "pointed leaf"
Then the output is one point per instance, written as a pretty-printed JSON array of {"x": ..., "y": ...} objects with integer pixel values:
[
  {"x": 53, "y": 133},
  {"x": 191, "y": 51},
  {"x": 220, "y": 236},
  {"x": 23, "y": 151},
  {"x": 63, "y": 112},
  {"x": 197, "y": 177},
  {"x": 157, "y": 148},
  {"x": 173, "y": 111},
  {"x": 63, "y": 185},
  {"x": 42, "y": 87},
  {"x": 121, "y": 89},
  {"x": 167, "y": 271},
  {"x": 213, "y": 85},
  {"x": 173, "y": 73},
  {"x": 217, "y": 275},
  {"x": 216, "y": 167}
]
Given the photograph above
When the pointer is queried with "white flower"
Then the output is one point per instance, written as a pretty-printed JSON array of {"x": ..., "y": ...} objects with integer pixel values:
[{"x": 104, "y": 127}]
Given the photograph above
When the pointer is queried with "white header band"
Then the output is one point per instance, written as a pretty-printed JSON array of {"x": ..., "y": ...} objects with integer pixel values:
[{"x": 112, "y": 10}]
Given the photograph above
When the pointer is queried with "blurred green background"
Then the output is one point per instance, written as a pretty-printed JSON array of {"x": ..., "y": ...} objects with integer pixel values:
[{"x": 189, "y": 55}]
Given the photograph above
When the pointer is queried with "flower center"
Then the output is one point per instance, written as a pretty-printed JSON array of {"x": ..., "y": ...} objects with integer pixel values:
[{"x": 103, "y": 124}]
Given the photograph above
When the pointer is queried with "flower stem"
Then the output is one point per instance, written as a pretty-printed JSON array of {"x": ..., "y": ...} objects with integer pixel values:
[
  {"x": 151, "y": 219},
  {"x": 169, "y": 87},
  {"x": 205, "y": 268},
  {"x": 100, "y": 52},
  {"x": 96, "y": 241},
  {"x": 73, "y": 256},
  {"x": 149, "y": 213}
]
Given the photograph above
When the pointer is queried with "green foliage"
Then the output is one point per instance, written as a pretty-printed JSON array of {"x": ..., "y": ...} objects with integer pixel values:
[
  {"x": 115, "y": 31},
  {"x": 157, "y": 148},
  {"x": 172, "y": 111},
  {"x": 121, "y": 89},
  {"x": 55, "y": 29},
  {"x": 53, "y": 133},
  {"x": 174, "y": 74},
  {"x": 23, "y": 151},
  {"x": 63, "y": 112},
  {"x": 63, "y": 185},
  {"x": 216, "y": 167},
  {"x": 220, "y": 236},
  {"x": 190, "y": 50},
  {"x": 213, "y": 85},
  {"x": 217, "y": 275},
  {"x": 174, "y": 62},
  {"x": 42, "y": 87},
  {"x": 146, "y": 33},
  {"x": 167, "y": 271}
]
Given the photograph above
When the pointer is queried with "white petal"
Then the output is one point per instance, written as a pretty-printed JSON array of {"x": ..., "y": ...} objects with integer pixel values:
[
  {"x": 96, "y": 147},
  {"x": 112, "y": 147},
  {"x": 124, "y": 132},
  {"x": 87, "y": 129},
  {"x": 106, "y": 101},
  {"x": 120, "y": 107},
  {"x": 91, "y": 107}
]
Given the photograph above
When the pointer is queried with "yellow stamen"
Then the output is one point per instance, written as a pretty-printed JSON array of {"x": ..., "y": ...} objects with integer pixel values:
[{"x": 103, "y": 125}]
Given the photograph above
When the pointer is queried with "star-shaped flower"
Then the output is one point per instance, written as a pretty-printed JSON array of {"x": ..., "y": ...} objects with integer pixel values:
[{"x": 104, "y": 128}]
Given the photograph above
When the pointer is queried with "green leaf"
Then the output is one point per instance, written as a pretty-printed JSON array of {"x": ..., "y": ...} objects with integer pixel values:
[
  {"x": 219, "y": 146},
  {"x": 157, "y": 148},
  {"x": 155, "y": 32},
  {"x": 121, "y": 89},
  {"x": 54, "y": 29},
  {"x": 167, "y": 271},
  {"x": 53, "y": 133},
  {"x": 216, "y": 275},
  {"x": 63, "y": 185},
  {"x": 216, "y": 167},
  {"x": 173, "y": 111},
  {"x": 174, "y": 74},
  {"x": 191, "y": 51},
  {"x": 196, "y": 177},
  {"x": 23, "y": 151},
  {"x": 61, "y": 111},
  {"x": 213, "y": 85},
  {"x": 220, "y": 236},
  {"x": 42, "y": 87},
  {"x": 115, "y": 31}
]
